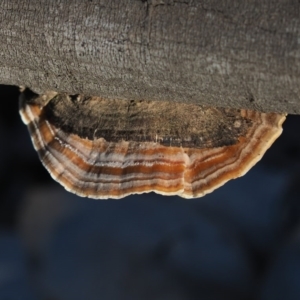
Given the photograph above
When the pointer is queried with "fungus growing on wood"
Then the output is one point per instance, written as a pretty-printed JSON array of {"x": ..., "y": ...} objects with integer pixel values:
[{"x": 102, "y": 149}]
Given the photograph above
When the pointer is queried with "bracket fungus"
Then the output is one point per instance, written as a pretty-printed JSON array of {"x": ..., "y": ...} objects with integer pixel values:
[{"x": 103, "y": 149}]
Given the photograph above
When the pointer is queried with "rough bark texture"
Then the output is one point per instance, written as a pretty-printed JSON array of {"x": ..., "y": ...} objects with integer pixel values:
[{"x": 229, "y": 53}]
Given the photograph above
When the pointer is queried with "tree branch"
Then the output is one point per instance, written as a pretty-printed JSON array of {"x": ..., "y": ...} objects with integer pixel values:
[{"x": 229, "y": 53}]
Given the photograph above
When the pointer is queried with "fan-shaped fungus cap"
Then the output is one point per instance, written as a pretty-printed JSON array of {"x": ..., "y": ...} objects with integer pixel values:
[{"x": 103, "y": 149}]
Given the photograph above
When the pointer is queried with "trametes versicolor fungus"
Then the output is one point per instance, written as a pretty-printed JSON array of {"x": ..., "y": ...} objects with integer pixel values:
[{"x": 103, "y": 149}]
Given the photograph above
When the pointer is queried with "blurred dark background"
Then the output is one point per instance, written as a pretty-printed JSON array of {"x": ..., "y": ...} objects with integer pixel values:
[{"x": 240, "y": 242}]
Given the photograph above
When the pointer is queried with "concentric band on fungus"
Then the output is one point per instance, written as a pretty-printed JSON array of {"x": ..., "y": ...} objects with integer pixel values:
[{"x": 102, "y": 169}]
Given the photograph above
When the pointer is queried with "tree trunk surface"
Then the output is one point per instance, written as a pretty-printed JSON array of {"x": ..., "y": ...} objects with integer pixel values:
[{"x": 225, "y": 53}]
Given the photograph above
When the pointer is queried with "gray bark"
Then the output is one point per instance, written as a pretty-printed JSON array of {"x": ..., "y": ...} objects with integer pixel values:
[{"x": 228, "y": 53}]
